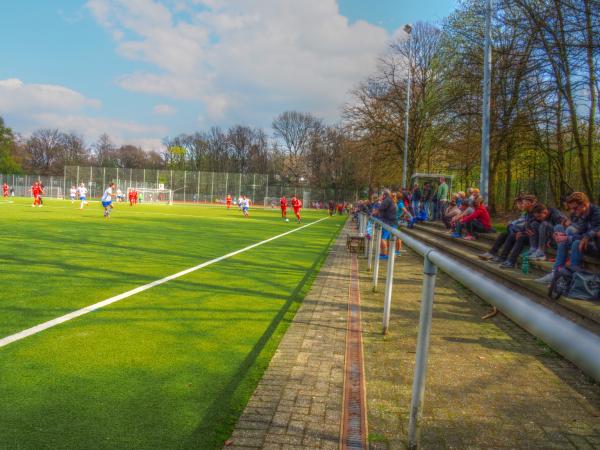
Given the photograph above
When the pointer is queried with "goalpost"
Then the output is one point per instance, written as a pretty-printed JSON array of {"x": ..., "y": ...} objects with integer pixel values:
[{"x": 146, "y": 195}]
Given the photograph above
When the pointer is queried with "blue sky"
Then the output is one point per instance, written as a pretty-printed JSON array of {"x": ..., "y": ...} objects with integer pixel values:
[{"x": 141, "y": 70}]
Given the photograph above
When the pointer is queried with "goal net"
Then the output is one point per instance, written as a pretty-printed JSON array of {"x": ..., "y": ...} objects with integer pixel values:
[{"x": 146, "y": 195}]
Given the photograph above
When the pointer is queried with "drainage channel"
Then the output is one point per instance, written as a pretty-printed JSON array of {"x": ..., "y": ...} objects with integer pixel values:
[{"x": 354, "y": 414}]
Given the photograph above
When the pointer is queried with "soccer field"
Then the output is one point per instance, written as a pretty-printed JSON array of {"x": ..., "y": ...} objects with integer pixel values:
[{"x": 169, "y": 367}]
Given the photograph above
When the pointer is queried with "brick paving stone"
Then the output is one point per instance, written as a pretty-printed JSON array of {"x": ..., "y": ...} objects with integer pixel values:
[
  {"x": 300, "y": 395},
  {"x": 490, "y": 384}
]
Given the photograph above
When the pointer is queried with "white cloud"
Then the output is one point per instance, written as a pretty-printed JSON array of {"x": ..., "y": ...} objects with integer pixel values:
[
  {"x": 237, "y": 56},
  {"x": 164, "y": 110},
  {"x": 31, "y": 106},
  {"x": 16, "y": 96}
]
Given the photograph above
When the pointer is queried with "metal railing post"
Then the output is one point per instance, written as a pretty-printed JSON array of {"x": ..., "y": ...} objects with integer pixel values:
[
  {"x": 371, "y": 247},
  {"x": 366, "y": 242},
  {"x": 418, "y": 389},
  {"x": 377, "y": 244},
  {"x": 389, "y": 283}
]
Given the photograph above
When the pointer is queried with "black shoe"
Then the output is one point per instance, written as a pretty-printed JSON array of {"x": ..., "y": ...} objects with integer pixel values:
[
  {"x": 498, "y": 259},
  {"x": 507, "y": 265}
]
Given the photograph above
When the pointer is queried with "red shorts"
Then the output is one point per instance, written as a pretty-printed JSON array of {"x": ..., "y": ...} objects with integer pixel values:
[{"x": 296, "y": 210}]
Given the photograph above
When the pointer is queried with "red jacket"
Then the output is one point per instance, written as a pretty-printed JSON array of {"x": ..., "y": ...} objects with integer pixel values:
[{"x": 481, "y": 213}]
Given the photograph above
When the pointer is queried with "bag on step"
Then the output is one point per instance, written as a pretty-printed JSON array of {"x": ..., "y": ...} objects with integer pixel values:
[
  {"x": 585, "y": 286},
  {"x": 561, "y": 284}
]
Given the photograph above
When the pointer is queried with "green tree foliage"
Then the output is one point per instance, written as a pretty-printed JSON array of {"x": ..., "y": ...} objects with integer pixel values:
[{"x": 8, "y": 163}]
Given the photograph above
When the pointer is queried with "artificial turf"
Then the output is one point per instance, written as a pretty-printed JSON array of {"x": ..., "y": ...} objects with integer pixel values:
[{"x": 171, "y": 367}]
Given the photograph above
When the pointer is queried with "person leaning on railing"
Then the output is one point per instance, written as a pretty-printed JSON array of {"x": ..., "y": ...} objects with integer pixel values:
[
  {"x": 577, "y": 236},
  {"x": 386, "y": 212}
]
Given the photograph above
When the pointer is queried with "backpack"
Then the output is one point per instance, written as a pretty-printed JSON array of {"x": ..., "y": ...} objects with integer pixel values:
[
  {"x": 561, "y": 284},
  {"x": 585, "y": 286},
  {"x": 577, "y": 285}
]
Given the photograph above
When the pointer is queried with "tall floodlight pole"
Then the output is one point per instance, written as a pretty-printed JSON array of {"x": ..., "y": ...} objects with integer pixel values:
[
  {"x": 487, "y": 88},
  {"x": 407, "y": 30}
]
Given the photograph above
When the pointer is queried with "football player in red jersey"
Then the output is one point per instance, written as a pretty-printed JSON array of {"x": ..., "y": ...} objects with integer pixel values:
[
  {"x": 228, "y": 201},
  {"x": 297, "y": 205},
  {"x": 5, "y": 189},
  {"x": 36, "y": 191},
  {"x": 283, "y": 204}
]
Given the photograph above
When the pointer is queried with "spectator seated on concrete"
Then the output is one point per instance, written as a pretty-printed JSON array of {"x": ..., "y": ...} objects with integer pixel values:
[
  {"x": 517, "y": 237},
  {"x": 548, "y": 218},
  {"x": 452, "y": 210},
  {"x": 478, "y": 221},
  {"x": 577, "y": 236}
]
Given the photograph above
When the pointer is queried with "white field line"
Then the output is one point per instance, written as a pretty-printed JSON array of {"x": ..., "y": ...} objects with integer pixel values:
[{"x": 88, "y": 309}]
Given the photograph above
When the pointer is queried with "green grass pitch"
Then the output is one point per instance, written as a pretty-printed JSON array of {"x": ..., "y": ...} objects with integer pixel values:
[{"x": 170, "y": 367}]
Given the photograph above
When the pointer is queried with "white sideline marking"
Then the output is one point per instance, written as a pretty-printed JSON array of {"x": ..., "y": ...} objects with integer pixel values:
[{"x": 88, "y": 309}]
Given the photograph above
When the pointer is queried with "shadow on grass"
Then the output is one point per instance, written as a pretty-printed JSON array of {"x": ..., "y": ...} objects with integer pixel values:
[{"x": 223, "y": 413}]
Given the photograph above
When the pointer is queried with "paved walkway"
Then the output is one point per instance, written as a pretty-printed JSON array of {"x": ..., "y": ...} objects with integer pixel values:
[
  {"x": 298, "y": 402},
  {"x": 490, "y": 384}
]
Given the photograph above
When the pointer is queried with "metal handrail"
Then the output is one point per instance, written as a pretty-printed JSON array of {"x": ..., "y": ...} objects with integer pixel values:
[{"x": 572, "y": 341}]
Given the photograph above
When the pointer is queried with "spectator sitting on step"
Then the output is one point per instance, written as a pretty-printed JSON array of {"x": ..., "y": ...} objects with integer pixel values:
[
  {"x": 577, "y": 235},
  {"x": 386, "y": 212},
  {"x": 547, "y": 218},
  {"x": 451, "y": 211},
  {"x": 460, "y": 198},
  {"x": 478, "y": 221},
  {"x": 519, "y": 237}
]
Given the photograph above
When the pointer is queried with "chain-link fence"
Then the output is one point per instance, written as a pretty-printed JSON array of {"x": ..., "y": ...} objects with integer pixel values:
[{"x": 187, "y": 186}]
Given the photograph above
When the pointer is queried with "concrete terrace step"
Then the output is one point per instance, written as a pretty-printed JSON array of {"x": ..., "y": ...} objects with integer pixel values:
[
  {"x": 479, "y": 246},
  {"x": 591, "y": 263},
  {"x": 457, "y": 248}
]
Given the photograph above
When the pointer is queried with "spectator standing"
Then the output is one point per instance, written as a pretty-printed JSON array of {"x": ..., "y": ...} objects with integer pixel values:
[
  {"x": 442, "y": 198},
  {"x": 386, "y": 212},
  {"x": 416, "y": 199},
  {"x": 426, "y": 199}
]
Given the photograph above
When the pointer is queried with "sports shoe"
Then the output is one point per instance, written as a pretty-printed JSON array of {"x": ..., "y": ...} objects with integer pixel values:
[
  {"x": 538, "y": 255},
  {"x": 456, "y": 235},
  {"x": 487, "y": 256},
  {"x": 498, "y": 259},
  {"x": 546, "y": 279},
  {"x": 470, "y": 237},
  {"x": 383, "y": 257},
  {"x": 507, "y": 265},
  {"x": 398, "y": 253}
]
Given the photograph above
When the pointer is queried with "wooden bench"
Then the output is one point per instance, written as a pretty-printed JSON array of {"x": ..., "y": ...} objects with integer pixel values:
[{"x": 355, "y": 243}]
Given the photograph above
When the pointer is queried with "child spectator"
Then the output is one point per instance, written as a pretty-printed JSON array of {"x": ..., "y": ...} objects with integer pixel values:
[
  {"x": 547, "y": 218},
  {"x": 451, "y": 211}
]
